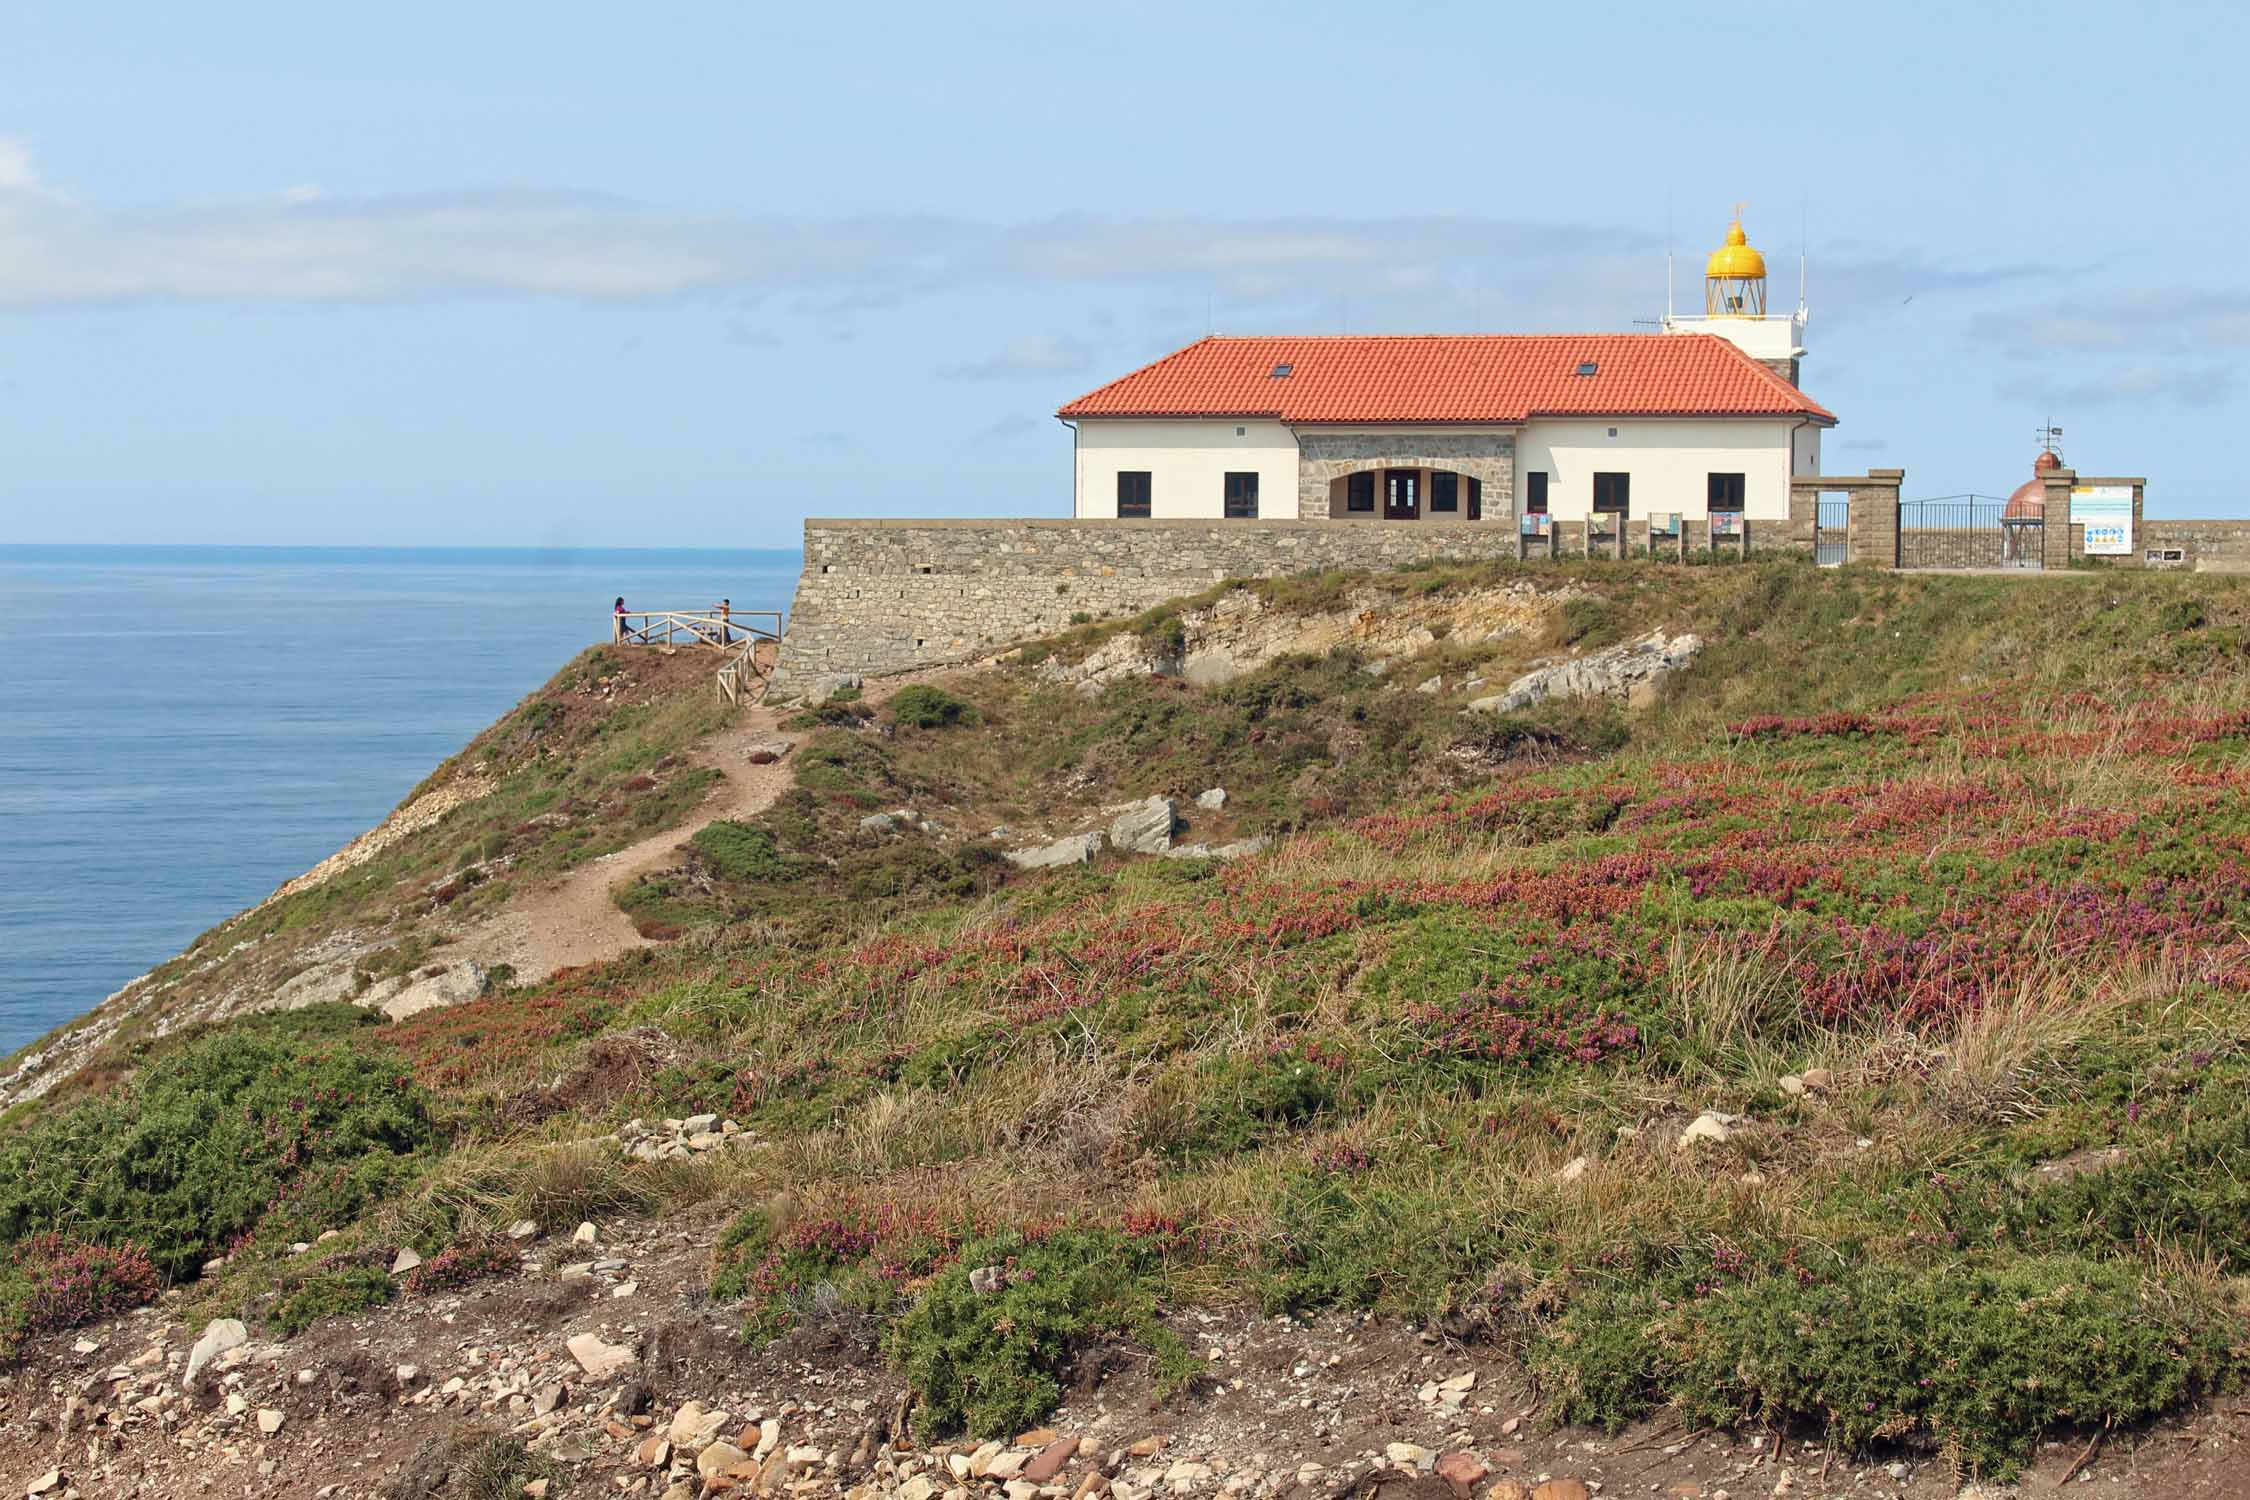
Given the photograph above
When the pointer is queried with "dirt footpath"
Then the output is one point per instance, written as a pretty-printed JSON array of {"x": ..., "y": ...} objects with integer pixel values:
[{"x": 576, "y": 920}]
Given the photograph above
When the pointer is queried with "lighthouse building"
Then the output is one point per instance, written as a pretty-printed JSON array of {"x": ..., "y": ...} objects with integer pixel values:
[{"x": 1703, "y": 420}]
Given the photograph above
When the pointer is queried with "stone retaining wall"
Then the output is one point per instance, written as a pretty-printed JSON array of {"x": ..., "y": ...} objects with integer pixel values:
[{"x": 889, "y": 596}]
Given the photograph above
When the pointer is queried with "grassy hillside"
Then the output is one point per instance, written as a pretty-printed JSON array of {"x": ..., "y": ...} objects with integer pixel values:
[{"x": 1929, "y": 893}]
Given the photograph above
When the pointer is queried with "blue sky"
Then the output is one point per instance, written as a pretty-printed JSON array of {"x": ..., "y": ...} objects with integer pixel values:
[{"x": 684, "y": 274}]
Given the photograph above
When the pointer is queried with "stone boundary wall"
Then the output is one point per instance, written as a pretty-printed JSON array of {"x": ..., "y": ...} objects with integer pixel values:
[
  {"x": 889, "y": 596},
  {"x": 2201, "y": 543}
]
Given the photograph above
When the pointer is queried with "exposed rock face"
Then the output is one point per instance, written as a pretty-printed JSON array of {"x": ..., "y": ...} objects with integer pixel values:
[
  {"x": 1241, "y": 632},
  {"x": 1239, "y": 849},
  {"x": 1146, "y": 827},
  {"x": 411, "y": 994},
  {"x": 1076, "y": 849},
  {"x": 1618, "y": 672},
  {"x": 813, "y": 690}
]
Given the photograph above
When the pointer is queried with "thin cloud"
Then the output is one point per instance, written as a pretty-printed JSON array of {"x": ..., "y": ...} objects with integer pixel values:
[
  {"x": 1034, "y": 357},
  {"x": 2183, "y": 322},
  {"x": 301, "y": 245},
  {"x": 2139, "y": 383},
  {"x": 16, "y": 174}
]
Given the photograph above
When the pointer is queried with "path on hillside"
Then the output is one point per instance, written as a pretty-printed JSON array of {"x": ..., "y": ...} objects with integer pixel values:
[{"x": 576, "y": 920}]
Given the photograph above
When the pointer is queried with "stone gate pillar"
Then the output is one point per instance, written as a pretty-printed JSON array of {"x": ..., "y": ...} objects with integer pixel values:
[
  {"x": 2055, "y": 541},
  {"x": 1873, "y": 534}
]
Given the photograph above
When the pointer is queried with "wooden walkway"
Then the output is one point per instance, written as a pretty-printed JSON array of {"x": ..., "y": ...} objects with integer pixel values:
[{"x": 742, "y": 634}]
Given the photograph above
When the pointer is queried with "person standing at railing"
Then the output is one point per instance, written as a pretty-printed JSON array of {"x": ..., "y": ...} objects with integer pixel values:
[
  {"x": 725, "y": 612},
  {"x": 617, "y": 618}
]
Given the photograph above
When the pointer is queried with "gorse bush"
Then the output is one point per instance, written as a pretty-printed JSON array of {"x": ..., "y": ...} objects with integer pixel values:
[
  {"x": 738, "y": 851},
  {"x": 49, "y": 1283},
  {"x": 331, "y": 1290},
  {"x": 993, "y": 1363},
  {"x": 922, "y": 706},
  {"x": 1982, "y": 1360},
  {"x": 240, "y": 1128}
]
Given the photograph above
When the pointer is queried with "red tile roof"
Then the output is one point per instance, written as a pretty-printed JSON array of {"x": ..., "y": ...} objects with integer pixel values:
[{"x": 1453, "y": 378}]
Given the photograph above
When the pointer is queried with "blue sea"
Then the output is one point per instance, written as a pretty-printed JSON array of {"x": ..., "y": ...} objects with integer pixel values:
[{"x": 184, "y": 728}]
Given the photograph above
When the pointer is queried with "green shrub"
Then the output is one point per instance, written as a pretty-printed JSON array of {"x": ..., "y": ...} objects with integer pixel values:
[
  {"x": 49, "y": 1283},
  {"x": 2189, "y": 1188},
  {"x": 329, "y": 1292},
  {"x": 925, "y": 707},
  {"x": 1585, "y": 621},
  {"x": 244, "y": 1127},
  {"x": 1233, "y": 1103},
  {"x": 993, "y": 1363},
  {"x": 1982, "y": 1360},
  {"x": 853, "y": 1262},
  {"x": 2182, "y": 615},
  {"x": 740, "y": 852}
]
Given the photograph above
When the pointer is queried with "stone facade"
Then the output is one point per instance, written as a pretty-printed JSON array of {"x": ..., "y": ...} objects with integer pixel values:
[
  {"x": 1787, "y": 369},
  {"x": 1488, "y": 457},
  {"x": 888, "y": 596}
]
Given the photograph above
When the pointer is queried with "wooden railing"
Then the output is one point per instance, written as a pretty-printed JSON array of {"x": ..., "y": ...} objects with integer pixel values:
[
  {"x": 667, "y": 627},
  {"x": 741, "y": 633}
]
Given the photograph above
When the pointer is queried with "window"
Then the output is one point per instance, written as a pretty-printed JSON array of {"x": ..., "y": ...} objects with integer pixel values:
[
  {"x": 1242, "y": 497},
  {"x": 1445, "y": 490},
  {"x": 1476, "y": 499},
  {"x": 1725, "y": 491},
  {"x": 1283, "y": 372},
  {"x": 1359, "y": 492},
  {"x": 1589, "y": 368},
  {"x": 1535, "y": 493},
  {"x": 1132, "y": 494},
  {"x": 1612, "y": 493}
]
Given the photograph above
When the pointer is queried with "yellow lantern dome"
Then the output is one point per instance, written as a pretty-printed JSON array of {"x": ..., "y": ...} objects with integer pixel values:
[{"x": 1735, "y": 260}]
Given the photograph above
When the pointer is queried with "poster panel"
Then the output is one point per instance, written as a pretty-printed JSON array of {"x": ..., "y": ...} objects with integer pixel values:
[{"x": 2106, "y": 511}]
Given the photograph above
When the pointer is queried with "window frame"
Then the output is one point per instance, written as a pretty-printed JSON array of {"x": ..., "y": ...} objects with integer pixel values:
[
  {"x": 1359, "y": 493},
  {"x": 1713, "y": 486},
  {"x": 1238, "y": 495},
  {"x": 1619, "y": 488},
  {"x": 1445, "y": 492},
  {"x": 1535, "y": 483},
  {"x": 1147, "y": 488}
]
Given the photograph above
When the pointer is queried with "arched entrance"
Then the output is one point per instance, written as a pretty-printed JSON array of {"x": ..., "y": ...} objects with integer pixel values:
[{"x": 1406, "y": 492}]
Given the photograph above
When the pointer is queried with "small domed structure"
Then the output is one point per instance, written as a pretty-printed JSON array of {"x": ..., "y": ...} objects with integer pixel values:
[
  {"x": 1734, "y": 278},
  {"x": 2029, "y": 502}
]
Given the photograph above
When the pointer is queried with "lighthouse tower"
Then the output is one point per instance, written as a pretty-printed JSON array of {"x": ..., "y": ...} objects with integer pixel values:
[{"x": 1734, "y": 307}]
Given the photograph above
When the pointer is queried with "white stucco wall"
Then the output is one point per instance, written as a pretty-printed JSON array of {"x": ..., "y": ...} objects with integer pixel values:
[
  {"x": 1669, "y": 459},
  {"x": 1187, "y": 463},
  {"x": 1806, "y": 457}
]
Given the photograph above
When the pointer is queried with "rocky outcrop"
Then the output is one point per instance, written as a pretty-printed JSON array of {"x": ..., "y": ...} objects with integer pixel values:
[
  {"x": 411, "y": 994},
  {"x": 1146, "y": 827},
  {"x": 1630, "y": 671},
  {"x": 1073, "y": 849}
]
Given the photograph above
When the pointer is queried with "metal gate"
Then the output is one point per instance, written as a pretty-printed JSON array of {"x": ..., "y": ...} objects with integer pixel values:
[
  {"x": 1832, "y": 531},
  {"x": 1969, "y": 531}
]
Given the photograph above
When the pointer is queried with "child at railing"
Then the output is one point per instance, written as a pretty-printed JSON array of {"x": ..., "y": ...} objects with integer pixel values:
[{"x": 617, "y": 618}]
